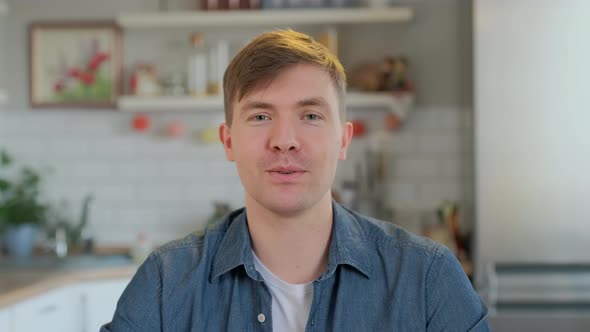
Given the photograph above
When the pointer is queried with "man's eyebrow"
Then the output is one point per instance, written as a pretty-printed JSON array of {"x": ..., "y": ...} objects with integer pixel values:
[
  {"x": 257, "y": 105},
  {"x": 314, "y": 101}
]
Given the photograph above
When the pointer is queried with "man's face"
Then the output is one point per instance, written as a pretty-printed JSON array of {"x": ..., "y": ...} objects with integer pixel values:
[{"x": 286, "y": 139}]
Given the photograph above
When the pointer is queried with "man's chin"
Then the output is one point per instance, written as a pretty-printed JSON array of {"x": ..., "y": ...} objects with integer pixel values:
[
  {"x": 287, "y": 207},
  {"x": 288, "y": 210}
]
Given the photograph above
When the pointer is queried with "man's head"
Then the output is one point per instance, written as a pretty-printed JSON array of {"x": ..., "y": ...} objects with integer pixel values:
[
  {"x": 285, "y": 129},
  {"x": 257, "y": 64}
]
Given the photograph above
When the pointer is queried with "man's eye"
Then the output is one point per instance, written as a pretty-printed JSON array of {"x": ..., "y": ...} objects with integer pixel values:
[
  {"x": 311, "y": 116},
  {"x": 260, "y": 117}
]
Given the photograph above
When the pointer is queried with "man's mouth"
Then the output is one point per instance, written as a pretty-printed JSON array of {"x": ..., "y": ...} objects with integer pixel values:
[
  {"x": 286, "y": 170},
  {"x": 286, "y": 174}
]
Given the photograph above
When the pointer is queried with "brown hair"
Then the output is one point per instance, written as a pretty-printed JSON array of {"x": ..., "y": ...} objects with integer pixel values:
[{"x": 272, "y": 53}]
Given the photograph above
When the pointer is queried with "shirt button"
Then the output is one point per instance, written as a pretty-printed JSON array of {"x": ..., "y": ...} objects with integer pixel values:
[{"x": 261, "y": 318}]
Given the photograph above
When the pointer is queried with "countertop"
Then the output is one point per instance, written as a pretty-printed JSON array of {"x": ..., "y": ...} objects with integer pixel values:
[{"x": 20, "y": 284}]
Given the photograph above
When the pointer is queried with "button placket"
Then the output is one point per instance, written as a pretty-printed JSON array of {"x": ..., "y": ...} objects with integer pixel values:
[
  {"x": 263, "y": 313},
  {"x": 315, "y": 306}
]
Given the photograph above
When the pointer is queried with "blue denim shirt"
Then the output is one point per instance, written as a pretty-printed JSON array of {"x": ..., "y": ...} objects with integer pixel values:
[{"x": 378, "y": 278}]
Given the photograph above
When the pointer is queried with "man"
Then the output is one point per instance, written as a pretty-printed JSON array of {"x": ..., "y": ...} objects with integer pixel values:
[{"x": 292, "y": 259}]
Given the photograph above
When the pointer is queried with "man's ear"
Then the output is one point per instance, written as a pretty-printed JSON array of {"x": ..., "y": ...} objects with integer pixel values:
[
  {"x": 225, "y": 138},
  {"x": 345, "y": 140}
]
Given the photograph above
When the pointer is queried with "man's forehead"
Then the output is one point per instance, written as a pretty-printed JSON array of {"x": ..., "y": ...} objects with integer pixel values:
[
  {"x": 266, "y": 82},
  {"x": 266, "y": 92}
]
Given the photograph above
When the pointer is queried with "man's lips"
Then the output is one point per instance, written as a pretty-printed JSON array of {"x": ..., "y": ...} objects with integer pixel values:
[
  {"x": 286, "y": 169},
  {"x": 286, "y": 174}
]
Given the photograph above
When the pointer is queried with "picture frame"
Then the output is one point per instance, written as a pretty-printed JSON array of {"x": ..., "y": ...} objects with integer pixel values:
[{"x": 75, "y": 64}]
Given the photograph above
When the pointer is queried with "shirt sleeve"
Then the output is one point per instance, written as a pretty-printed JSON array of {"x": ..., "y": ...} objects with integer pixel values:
[
  {"x": 139, "y": 308},
  {"x": 451, "y": 302}
]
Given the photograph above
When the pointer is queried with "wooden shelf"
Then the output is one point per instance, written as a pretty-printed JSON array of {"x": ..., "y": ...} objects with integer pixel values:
[
  {"x": 276, "y": 18},
  {"x": 283, "y": 17},
  {"x": 169, "y": 103},
  {"x": 400, "y": 105},
  {"x": 385, "y": 101}
]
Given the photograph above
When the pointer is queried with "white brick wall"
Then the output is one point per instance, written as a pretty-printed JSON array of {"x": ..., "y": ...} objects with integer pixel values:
[
  {"x": 140, "y": 181},
  {"x": 429, "y": 160}
]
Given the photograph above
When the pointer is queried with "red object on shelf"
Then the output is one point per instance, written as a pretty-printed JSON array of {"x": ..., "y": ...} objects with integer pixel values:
[
  {"x": 392, "y": 121},
  {"x": 141, "y": 122},
  {"x": 133, "y": 84},
  {"x": 358, "y": 128},
  {"x": 175, "y": 129}
]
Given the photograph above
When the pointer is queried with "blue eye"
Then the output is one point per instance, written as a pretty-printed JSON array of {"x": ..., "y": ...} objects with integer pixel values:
[{"x": 311, "y": 116}]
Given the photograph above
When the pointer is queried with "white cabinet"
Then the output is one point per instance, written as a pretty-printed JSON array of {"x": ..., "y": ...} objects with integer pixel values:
[
  {"x": 99, "y": 300},
  {"x": 84, "y": 306},
  {"x": 53, "y": 311},
  {"x": 6, "y": 319}
]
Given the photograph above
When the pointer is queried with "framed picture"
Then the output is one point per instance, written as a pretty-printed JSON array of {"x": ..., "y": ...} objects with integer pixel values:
[{"x": 74, "y": 64}]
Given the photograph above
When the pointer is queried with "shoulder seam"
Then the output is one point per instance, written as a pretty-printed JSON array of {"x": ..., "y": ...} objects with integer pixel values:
[
  {"x": 429, "y": 280},
  {"x": 159, "y": 269},
  {"x": 185, "y": 245},
  {"x": 398, "y": 242},
  {"x": 435, "y": 250}
]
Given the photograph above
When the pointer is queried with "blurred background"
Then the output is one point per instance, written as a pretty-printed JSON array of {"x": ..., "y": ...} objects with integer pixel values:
[{"x": 470, "y": 128}]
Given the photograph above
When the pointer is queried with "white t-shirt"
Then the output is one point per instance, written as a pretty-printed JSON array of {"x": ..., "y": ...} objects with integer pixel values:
[{"x": 290, "y": 302}]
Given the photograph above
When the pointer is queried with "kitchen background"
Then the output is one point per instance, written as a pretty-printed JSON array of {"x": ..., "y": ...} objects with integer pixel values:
[
  {"x": 497, "y": 127},
  {"x": 166, "y": 187}
]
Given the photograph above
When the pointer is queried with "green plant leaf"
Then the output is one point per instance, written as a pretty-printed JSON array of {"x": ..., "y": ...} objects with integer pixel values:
[
  {"x": 20, "y": 201},
  {"x": 4, "y": 185},
  {"x": 5, "y": 158}
]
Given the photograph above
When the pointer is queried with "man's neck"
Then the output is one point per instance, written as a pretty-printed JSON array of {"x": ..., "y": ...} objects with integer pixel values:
[{"x": 294, "y": 248}]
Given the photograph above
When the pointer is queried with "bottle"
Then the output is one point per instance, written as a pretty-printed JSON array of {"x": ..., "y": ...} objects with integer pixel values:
[
  {"x": 197, "y": 67},
  {"x": 329, "y": 38},
  {"x": 218, "y": 62}
]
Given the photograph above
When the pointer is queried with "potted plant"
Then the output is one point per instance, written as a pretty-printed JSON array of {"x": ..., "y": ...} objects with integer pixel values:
[{"x": 21, "y": 209}]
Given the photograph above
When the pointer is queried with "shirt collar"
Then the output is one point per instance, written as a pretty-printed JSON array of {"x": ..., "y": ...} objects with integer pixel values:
[
  {"x": 235, "y": 248},
  {"x": 348, "y": 245}
]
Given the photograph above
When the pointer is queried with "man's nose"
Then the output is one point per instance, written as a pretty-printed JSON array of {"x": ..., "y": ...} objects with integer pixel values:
[{"x": 284, "y": 136}]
